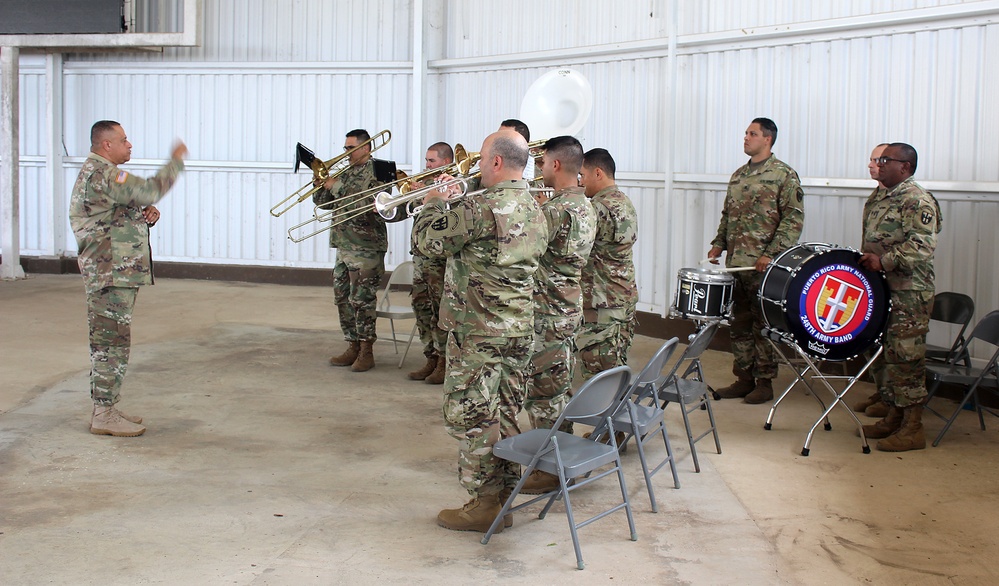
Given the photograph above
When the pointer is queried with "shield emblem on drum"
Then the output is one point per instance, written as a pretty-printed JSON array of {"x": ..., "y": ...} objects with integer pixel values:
[{"x": 836, "y": 305}]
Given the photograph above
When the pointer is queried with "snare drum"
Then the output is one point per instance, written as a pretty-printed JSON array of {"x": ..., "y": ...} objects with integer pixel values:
[
  {"x": 703, "y": 294},
  {"x": 818, "y": 296}
]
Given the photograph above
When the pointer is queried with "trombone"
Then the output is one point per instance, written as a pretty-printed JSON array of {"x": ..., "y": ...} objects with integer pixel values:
[
  {"x": 386, "y": 202},
  {"x": 323, "y": 170},
  {"x": 346, "y": 208}
]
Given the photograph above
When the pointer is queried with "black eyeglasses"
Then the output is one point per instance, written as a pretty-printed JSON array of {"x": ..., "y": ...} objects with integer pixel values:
[{"x": 882, "y": 161}]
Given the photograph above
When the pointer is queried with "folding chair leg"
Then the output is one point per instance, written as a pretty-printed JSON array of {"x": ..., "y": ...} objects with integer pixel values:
[
  {"x": 690, "y": 436},
  {"x": 714, "y": 426},
  {"x": 408, "y": 344},
  {"x": 968, "y": 395},
  {"x": 645, "y": 470},
  {"x": 395, "y": 343}
]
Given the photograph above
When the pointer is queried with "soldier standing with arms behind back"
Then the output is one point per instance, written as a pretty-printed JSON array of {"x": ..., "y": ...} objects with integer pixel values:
[
  {"x": 900, "y": 238},
  {"x": 762, "y": 217},
  {"x": 493, "y": 242},
  {"x": 610, "y": 294},
  {"x": 111, "y": 228}
]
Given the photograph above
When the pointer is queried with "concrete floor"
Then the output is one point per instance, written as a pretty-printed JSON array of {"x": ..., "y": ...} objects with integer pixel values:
[{"x": 263, "y": 465}]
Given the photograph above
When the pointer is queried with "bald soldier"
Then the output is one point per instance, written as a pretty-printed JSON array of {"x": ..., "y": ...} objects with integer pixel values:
[
  {"x": 493, "y": 242},
  {"x": 107, "y": 214}
]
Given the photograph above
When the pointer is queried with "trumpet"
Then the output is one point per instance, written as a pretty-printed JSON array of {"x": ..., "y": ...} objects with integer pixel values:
[
  {"x": 346, "y": 208},
  {"x": 323, "y": 170}
]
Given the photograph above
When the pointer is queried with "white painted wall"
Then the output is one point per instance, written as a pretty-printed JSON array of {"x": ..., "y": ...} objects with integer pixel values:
[{"x": 837, "y": 77}]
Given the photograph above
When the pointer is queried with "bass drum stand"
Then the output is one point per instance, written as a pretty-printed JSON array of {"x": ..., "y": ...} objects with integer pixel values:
[{"x": 804, "y": 364}]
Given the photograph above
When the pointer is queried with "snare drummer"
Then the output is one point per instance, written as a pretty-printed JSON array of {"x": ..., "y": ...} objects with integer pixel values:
[{"x": 762, "y": 216}]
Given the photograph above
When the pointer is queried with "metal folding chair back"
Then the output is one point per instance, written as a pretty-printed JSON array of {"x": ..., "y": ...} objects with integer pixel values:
[
  {"x": 690, "y": 391},
  {"x": 957, "y": 309},
  {"x": 401, "y": 278},
  {"x": 573, "y": 459},
  {"x": 973, "y": 379}
]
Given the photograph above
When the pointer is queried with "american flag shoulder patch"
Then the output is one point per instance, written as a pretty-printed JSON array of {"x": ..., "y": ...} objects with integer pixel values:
[{"x": 122, "y": 176}]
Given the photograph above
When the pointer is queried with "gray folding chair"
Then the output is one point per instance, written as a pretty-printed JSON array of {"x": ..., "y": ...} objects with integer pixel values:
[
  {"x": 401, "y": 277},
  {"x": 644, "y": 422},
  {"x": 573, "y": 459},
  {"x": 690, "y": 391},
  {"x": 957, "y": 309},
  {"x": 971, "y": 378}
]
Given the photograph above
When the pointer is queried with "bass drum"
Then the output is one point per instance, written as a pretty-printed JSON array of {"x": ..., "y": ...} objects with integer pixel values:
[{"x": 818, "y": 296}]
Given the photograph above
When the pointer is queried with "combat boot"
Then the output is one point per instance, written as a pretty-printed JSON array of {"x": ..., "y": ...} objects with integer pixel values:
[
  {"x": 365, "y": 358},
  {"x": 349, "y": 355},
  {"x": 477, "y": 515},
  {"x": 763, "y": 392},
  {"x": 106, "y": 420},
  {"x": 540, "y": 482},
  {"x": 874, "y": 399},
  {"x": 437, "y": 376},
  {"x": 427, "y": 369},
  {"x": 743, "y": 385},
  {"x": 879, "y": 409},
  {"x": 909, "y": 436},
  {"x": 885, "y": 427}
]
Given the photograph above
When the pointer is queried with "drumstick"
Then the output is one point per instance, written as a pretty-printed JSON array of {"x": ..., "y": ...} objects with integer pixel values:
[{"x": 727, "y": 269}]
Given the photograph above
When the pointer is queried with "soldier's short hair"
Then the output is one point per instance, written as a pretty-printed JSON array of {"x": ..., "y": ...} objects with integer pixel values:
[
  {"x": 769, "y": 129},
  {"x": 567, "y": 150},
  {"x": 907, "y": 154},
  {"x": 519, "y": 126},
  {"x": 443, "y": 151},
  {"x": 514, "y": 153},
  {"x": 600, "y": 159},
  {"x": 100, "y": 128},
  {"x": 360, "y": 134}
]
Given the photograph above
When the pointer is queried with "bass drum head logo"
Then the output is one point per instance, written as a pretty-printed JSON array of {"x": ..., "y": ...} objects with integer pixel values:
[{"x": 835, "y": 305}]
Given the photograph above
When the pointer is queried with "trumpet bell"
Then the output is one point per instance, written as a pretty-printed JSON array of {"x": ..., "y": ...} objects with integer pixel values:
[{"x": 558, "y": 103}]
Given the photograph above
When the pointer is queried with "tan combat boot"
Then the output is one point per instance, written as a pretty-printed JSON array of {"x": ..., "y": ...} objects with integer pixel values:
[
  {"x": 365, "y": 358},
  {"x": 743, "y": 385},
  {"x": 763, "y": 392},
  {"x": 437, "y": 376},
  {"x": 874, "y": 399},
  {"x": 106, "y": 420},
  {"x": 885, "y": 427},
  {"x": 909, "y": 436},
  {"x": 879, "y": 409},
  {"x": 477, "y": 515},
  {"x": 540, "y": 482},
  {"x": 507, "y": 518},
  {"x": 349, "y": 355},
  {"x": 427, "y": 369}
]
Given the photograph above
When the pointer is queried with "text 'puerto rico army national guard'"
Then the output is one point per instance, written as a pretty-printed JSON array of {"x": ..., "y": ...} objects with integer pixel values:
[
  {"x": 493, "y": 241},
  {"x": 112, "y": 231}
]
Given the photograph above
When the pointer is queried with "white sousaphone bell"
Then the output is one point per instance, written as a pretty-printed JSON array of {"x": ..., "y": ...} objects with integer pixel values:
[{"x": 557, "y": 104}]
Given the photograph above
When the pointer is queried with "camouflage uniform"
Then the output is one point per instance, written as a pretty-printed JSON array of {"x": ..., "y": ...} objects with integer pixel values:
[
  {"x": 609, "y": 290},
  {"x": 360, "y": 244},
  {"x": 901, "y": 227},
  {"x": 558, "y": 304},
  {"x": 428, "y": 287},
  {"x": 762, "y": 216},
  {"x": 105, "y": 212},
  {"x": 493, "y": 243}
]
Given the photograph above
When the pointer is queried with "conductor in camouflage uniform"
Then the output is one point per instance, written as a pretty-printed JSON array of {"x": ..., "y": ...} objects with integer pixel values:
[
  {"x": 428, "y": 287},
  {"x": 762, "y": 217},
  {"x": 361, "y": 243},
  {"x": 112, "y": 232},
  {"x": 610, "y": 293},
  {"x": 493, "y": 242},
  {"x": 558, "y": 295},
  {"x": 901, "y": 225}
]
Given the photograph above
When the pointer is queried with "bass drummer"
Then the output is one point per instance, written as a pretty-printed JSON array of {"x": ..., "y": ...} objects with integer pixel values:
[{"x": 762, "y": 216}]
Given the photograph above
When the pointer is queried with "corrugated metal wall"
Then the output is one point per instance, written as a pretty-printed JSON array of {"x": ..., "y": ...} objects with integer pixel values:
[{"x": 837, "y": 77}]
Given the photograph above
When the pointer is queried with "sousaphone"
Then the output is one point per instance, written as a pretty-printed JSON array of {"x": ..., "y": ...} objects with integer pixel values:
[{"x": 557, "y": 104}]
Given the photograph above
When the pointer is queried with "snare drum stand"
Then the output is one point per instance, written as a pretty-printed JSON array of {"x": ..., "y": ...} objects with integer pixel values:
[{"x": 806, "y": 364}]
